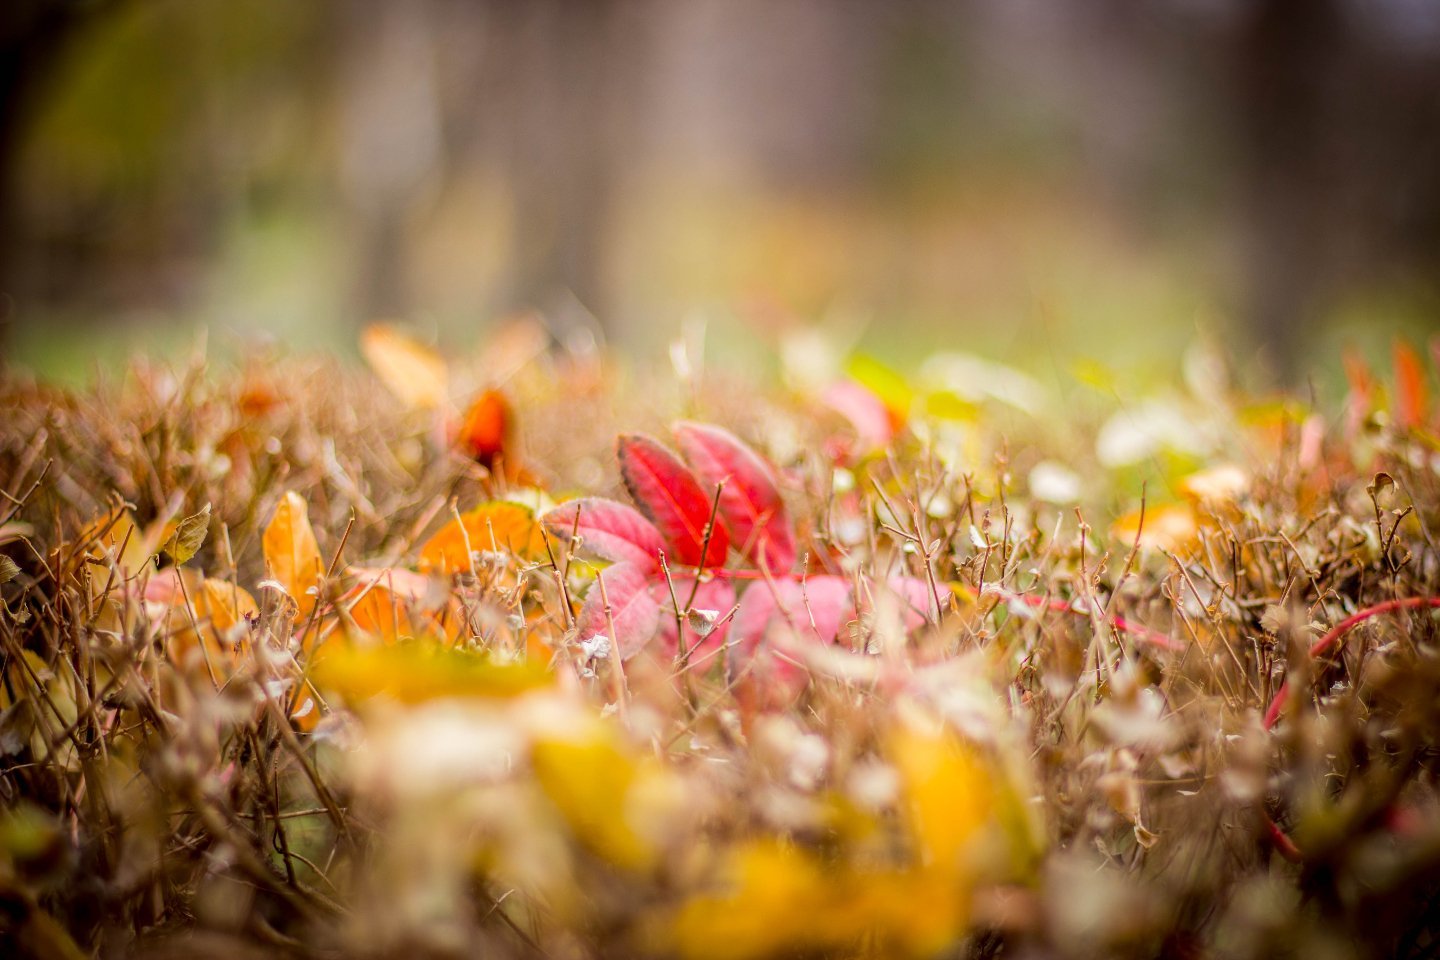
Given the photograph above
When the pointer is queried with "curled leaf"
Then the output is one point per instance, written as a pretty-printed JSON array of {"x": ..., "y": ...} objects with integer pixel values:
[
  {"x": 409, "y": 369},
  {"x": 189, "y": 536},
  {"x": 705, "y": 630}
]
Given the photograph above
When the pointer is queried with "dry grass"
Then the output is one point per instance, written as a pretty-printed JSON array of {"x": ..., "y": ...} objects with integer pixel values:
[{"x": 1070, "y": 759}]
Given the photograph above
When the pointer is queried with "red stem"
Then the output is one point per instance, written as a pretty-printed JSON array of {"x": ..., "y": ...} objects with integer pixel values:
[
  {"x": 1323, "y": 645},
  {"x": 1283, "y": 844},
  {"x": 1152, "y": 637}
]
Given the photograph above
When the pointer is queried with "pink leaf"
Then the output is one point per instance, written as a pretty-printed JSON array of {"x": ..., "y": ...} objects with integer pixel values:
[
  {"x": 609, "y": 530},
  {"x": 716, "y": 596},
  {"x": 750, "y": 500},
  {"x": 917, "y": 602},
  {"x": 668, "y": 493},
  {"x": 634, "y": 613},
  {"x": 767, "y": 619},
  {"x": 864, "y": 410}
]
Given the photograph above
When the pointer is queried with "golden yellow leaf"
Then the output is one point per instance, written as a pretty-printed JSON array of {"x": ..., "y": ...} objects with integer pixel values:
[
  {"x": 498, "y": 525},
  {"x": 948, "y": 793},
  {"x": 412, "y": 371},
  {"x": 416, "y": 672},
  {"x": 781, "y": 900},
  {"x": 589, "y": 780},
  {"x": 291, "y": 553}
]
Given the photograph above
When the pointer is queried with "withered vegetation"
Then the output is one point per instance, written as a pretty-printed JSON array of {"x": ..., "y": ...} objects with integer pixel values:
[{"x": 367, "y": 703}]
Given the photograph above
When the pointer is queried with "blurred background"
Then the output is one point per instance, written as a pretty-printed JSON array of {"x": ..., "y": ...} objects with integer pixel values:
[{"x": 1037, "y": 180}]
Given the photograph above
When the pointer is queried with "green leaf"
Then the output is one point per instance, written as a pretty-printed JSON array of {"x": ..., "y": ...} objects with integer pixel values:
[{"x": 189, "y": 536}]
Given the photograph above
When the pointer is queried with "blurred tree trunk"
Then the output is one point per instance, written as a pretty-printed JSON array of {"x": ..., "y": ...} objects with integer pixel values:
[
  {"x": 561, "y": 149},
  {"x": 34, "y": 35},
  {"x": 1289, "y": 54}
]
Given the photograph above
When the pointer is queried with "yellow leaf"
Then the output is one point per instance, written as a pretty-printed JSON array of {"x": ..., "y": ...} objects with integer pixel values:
[
  {"x": 416, "y": 672},
  {"x": 948, "y": 794},
  {"x": 498, "y": 525},
  {"x": 590, "y": 780},
  {"x": 115, "y": 534},
  {"x": 781, "y": 900},
  {"x": 291, "y": 553},
  {"x": 409, "y": 369},
  {"x": 189, "y": 536},
  {"x": 1167, "y": 526}
]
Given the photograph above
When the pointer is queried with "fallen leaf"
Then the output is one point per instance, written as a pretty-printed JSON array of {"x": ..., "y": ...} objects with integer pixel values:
[
  {"x": 494, "y": 526},
  {"x": 412, "y": 371},
  {"x": 292, "y": 554},
  {"x": 609, "y": 530}
]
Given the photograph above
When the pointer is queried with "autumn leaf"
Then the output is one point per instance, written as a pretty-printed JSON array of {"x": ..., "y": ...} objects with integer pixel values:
[
  {"x": 412, "y": 371},
  {"x": 590, "y": 779},
  {"x": 668, "y": 493},
  {"x": 774, "y": 621},
  {"x": 1412, "y": 395},
  {"x": 292, "y": 554},
  {"x": 421, "y": 671},
  {"x": 188, "y": 537},
  {"x": 609, "y": 530},
  {"x": 634, "y": 612},
  {"x": 487, "y": 434},
  {"x": 869, "y": 418},
  {"x": 750, "y": 499},
  {"x": 1166, "y": 526},
  {"x": 815, "y": 610},
  {"x": 705, "y": 627},
  {"x": 947, "y": 790},
  {"x": 497, "y": 525}
]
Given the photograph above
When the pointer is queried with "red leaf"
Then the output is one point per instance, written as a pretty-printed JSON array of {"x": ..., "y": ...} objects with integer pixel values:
[
  {"x": 715, "y": 596},
  {"x": 1412, "y": 395},
  {"x": 750, "y": 500},
  {"x": 609, "y": 530},
  {"x": 633, "y": 611},
  {"x": 668, "y": 493}
]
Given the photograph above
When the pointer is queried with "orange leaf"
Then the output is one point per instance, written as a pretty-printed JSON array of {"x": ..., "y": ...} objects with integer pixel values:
[
  {"x": 291, "y": 553},
  {"x": 497, "y": 525},
  {"x": 486, "y": 433},
  {"x": 1167, "y": 526},
  {"x": 409, "y": 369},
  {"x": 1412, "y": 395}
]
